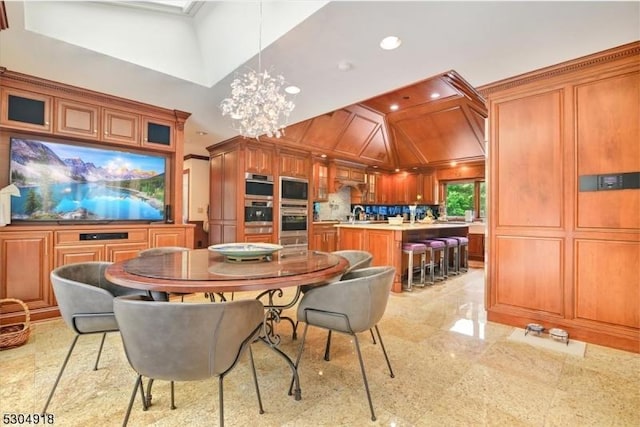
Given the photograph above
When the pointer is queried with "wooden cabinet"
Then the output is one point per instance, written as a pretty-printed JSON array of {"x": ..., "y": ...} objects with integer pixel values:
[
  {"x": 120, "y": 127},
  {"x": 258, "y": 160},
  {"x": 320, "y": 181},
  {"x": 559, "y": 256},
  {"x": 370, "y": 191},
  {"x": 77, "y": 119},
  {"x": 169, "y": 237},
  {"x": 324, "y": 237},
  {"x": 350, "y": 173},
  {"x": 258, "y": 238},
  {"x": 25, "y": 264},
  {"x": 427, "y": 188},
  {"x": 293, "y": 165},
  {"x": 476, "y": 247},
  {"x": 384, "y": 184},
  {"x": 24, "y": 110},
  {"x": 157, "y": 134}
]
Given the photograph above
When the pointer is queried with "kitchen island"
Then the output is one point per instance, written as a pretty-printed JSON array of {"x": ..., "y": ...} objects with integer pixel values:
[{"x": 384, "y": 241}]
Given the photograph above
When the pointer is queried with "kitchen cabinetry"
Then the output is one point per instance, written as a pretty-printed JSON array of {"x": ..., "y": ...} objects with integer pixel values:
[
  {"x": 294, "y": 165},
  {"x": 568, "y": 265},
  {"x": 25, "y": 110},
  {"x": 120, "y": 127},
  {"x": 77, "y": 119},
  {"x": 428, "y": 188},
  {"x": 259, "y": 238},
  {"x": 320, "y": 181},
  {"x": 324, "y": 237},
  {"x": 25, "y": 263},
  {"x": 349, "y": 173},
  {"x": 258, "y": 160},
  {"x": 33, "y": 107},
  {"x": 370, "y": 192},
  {"x": 157, "y": 134},
  {"x": 476, "y": 247}
]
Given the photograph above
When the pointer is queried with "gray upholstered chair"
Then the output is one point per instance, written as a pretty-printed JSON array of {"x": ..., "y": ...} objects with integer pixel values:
[
  {"x": 357, "y": 260},
  {"x": 186, "y": 342},
  {"x": 352, "y": 305},
  {"x": 85, "y": 299}
]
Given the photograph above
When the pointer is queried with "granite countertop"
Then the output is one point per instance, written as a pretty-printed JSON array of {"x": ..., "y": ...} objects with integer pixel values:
[{"x": 403, "y": 227}]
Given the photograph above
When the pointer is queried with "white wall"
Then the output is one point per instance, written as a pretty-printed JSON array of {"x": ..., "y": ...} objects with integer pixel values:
[{"x": 198, "y": 188}]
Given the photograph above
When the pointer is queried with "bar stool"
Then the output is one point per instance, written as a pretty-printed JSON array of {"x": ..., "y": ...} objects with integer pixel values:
[
  {"x": 463, "y": 254},
  {"x": 435, "y": 247},
  {"x": 412, "y": 249},
  {"x": 451, "y": 265}
]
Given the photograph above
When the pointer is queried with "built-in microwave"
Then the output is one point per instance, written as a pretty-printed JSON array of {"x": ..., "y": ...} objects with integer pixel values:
[
  {"x": 294, "y": 189},
  {"x": 258, "y": 186}
]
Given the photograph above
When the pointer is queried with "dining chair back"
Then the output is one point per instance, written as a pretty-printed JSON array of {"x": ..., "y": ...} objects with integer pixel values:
[
  {"x": 357, "y": 259},
  {"x": 85, "y": 299},
  {"x": 354, "y": 304},
  {"x": 187, "y": 342}
]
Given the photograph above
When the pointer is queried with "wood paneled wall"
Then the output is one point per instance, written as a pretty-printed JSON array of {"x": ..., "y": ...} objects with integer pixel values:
[{"x": 558, "y": 256}]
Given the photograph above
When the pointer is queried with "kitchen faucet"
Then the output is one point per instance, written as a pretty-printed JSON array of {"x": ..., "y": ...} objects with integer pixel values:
[{"x": 353, "y": 214}]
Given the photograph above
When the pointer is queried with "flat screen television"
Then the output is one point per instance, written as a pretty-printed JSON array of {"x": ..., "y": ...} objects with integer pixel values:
[{"x": 63, "y": 182}]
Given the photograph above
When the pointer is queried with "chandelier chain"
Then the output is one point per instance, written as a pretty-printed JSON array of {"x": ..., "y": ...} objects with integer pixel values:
[{"x": 257, "y": 106}]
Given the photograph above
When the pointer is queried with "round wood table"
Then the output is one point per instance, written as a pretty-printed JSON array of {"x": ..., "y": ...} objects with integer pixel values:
[{"x": 201, "y": 270}]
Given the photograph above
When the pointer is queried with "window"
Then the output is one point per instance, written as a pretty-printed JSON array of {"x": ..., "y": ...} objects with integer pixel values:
[{"x": 462, "y": 196}]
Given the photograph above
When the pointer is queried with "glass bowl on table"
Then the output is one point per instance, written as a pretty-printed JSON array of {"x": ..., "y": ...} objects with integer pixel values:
[{"x": 243, "y": 252}]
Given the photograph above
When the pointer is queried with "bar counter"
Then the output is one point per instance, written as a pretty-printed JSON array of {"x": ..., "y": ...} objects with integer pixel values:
[{"x": 385, "y": 241}]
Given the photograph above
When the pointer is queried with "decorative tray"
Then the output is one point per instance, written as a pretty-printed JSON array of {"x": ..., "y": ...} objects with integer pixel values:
[{"x": 245, "y": 251}]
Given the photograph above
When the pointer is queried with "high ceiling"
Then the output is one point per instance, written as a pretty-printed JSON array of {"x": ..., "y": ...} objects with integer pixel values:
[{"x": 187, "y": 61}]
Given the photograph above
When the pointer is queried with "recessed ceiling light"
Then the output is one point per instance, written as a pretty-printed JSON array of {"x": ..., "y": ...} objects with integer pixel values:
[
  {"x": 201, "y": 133},
  {"x": 435, "y": 95},
  {"x": 324, "y": 156},
  {"x": 293, "y": 90},
  {"x": 345, "y": 65},
  {"x": 453, "y": 163},
  {"x": 394, "y": 107},
  {"x": 390, "y": 42},
  {"x": 397, "y": 170}
]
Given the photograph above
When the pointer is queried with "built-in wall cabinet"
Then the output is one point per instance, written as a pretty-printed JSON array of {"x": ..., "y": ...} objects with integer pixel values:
[
  {"x": 559, "y": 255},
  {"x": 34, "y": 107},
  {"x": 324, "y": 237}
]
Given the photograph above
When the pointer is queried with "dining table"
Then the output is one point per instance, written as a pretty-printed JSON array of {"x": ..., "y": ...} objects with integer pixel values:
[{"x": 204, "y": 270}]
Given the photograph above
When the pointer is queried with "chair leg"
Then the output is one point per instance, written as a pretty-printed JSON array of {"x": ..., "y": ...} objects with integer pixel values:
[
  {"x": 95, "y": 367},
  {"x": 64, "y": 365},
  {"x": 173, "y": 399},
  {"x": 373, "y": 337},
  {"x": 304, "y": 336},
  {"x": 255, "y": 380},
  {"x": 327, "y": 348},
  {"x": 221, "y": 399},
  {"x": 384, "y": 350},
  {"x": 137, "y": 385},
  {"x": 364, "y": 376}
]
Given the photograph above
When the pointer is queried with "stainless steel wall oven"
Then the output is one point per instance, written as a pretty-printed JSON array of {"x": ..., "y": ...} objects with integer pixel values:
[{"x": 258, "y": 186}]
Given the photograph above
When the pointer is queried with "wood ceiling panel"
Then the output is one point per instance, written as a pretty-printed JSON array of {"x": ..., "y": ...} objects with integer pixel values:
[
  {"x": 325, "y": 130},
  {"x": 295, "y": 133},
  {"x": 377, "y": 150},
  {"x": 407, "y": 153},
  {"x": 412, "y": 96},
  {"x": 442, "y": 136},
  {"x": 355, "y": 137}
]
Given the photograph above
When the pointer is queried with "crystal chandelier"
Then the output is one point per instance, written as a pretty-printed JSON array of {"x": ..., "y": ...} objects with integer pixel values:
[{"x": 257, "y": 106}]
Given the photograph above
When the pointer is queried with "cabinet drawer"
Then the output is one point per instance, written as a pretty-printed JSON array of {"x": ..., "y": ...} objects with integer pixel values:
[{"x": 75, "y": 236}]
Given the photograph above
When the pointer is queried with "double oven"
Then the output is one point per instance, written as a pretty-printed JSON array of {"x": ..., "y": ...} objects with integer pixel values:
[
  {"x": 293, "y": 209},
  {"x": 293, "y": 232},
  {"x": 258, "y": 204}
]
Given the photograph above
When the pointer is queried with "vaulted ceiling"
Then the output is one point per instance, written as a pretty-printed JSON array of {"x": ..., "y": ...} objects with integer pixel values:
[
  {"x": 187, "y": 62},
  {"x": 427, "y": 124}
]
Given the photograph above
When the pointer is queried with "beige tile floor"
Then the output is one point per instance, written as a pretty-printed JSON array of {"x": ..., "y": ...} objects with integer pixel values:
[{"x": 452, "y": 368}]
